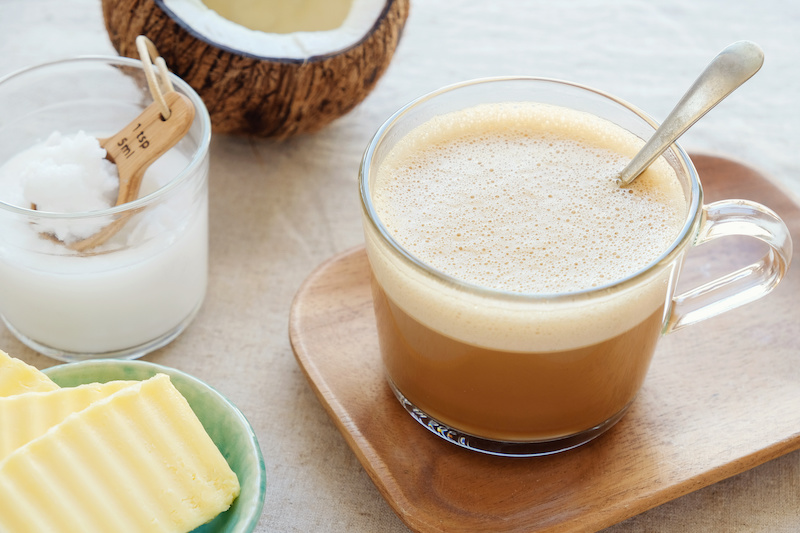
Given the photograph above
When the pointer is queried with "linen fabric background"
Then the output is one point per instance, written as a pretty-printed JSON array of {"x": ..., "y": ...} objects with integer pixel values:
[{"x": 279, "y": 209}]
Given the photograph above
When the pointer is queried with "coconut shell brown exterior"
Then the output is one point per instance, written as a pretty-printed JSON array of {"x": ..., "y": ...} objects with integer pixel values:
[{"x": 266, "y": 97}]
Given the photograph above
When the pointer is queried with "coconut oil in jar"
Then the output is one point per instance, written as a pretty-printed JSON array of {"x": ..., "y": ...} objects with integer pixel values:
[{"x": 141, "y": 288}]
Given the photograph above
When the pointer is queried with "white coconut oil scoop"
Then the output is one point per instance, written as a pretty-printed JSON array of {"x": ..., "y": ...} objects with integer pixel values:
[
  {"x": 146, "y": 138},
  {"x": 727, "y": 71}
]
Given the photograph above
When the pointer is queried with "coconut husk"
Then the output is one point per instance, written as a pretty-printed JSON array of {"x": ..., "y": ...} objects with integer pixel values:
[{"x": 246, "y": 94}]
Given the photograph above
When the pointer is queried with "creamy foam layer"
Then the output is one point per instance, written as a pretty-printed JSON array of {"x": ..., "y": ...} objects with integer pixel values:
[
  {"x": 520, "y": 197},
  {"x": 525, "y": 204}
]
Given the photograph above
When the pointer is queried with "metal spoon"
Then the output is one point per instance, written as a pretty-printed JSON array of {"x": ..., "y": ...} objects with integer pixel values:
[{"x": 732, "y": 67}]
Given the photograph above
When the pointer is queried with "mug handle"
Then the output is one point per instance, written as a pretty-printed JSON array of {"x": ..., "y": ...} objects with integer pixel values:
[{"x": 727, "y": 218}]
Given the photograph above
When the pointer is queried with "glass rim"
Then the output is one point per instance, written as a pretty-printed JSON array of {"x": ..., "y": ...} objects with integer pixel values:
[
  {"x": 201, "y": 113},
  {"x": 683, "y": 238}
]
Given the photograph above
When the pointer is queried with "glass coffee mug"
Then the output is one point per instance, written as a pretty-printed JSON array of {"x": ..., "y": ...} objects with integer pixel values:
[{"x": 522, "y": 374}]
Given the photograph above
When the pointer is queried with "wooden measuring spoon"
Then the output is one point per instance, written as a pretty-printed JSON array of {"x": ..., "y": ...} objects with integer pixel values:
[{"x": 134, "y": 148}]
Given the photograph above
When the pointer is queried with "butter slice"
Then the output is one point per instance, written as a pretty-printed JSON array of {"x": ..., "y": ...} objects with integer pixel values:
[
  {"x": 17, "y": 377},
  {"x": 24, "y": 417},
  {"x": 136, "y": 461}
]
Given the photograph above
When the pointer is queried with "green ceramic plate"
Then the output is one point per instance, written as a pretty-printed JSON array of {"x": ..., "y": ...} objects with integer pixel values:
[{"x": 226, "y": 425}]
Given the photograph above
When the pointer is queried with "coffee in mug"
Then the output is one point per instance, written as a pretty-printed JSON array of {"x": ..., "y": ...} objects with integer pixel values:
[{"x": 519, "y": 291}]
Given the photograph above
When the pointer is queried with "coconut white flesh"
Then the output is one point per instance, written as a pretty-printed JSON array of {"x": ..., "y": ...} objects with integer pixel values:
[{"x": 284, "y": 30}]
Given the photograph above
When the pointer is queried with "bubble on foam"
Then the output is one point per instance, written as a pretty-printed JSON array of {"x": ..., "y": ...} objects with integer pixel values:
[{"x": 523, "y": 201}]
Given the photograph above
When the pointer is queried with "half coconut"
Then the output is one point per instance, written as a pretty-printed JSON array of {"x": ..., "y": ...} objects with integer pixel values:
[{"x": 271, "y": 68}]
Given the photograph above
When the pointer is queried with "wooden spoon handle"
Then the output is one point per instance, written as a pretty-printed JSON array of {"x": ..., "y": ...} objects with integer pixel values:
[
  {"x": 134, "y": 148},
  {"x": 145, "y": 139},
  {"x": 103, "y": 235}
]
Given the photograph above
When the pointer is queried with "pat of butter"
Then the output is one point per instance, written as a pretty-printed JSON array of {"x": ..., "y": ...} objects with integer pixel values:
[
  {"x": 17, "y": 377},
  {"x": 138, "y": 460},
  {"x": 23, "y": 417}
]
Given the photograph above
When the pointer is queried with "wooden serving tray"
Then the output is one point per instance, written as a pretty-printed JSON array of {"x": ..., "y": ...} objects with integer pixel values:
[{"x": 721, "y": 397}]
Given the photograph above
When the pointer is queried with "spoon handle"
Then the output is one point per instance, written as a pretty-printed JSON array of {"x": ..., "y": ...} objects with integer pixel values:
[{"x": 732, "y": 67}]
